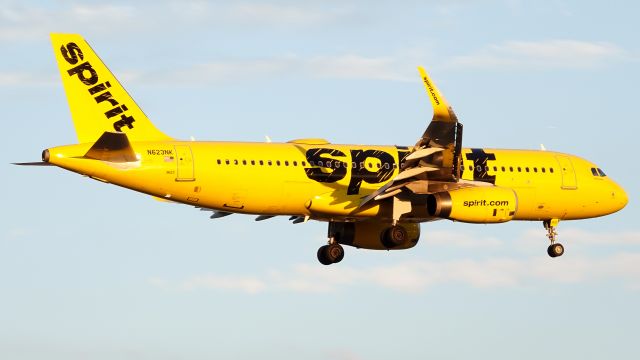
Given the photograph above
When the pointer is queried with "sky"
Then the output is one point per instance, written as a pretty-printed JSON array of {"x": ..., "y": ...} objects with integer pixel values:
[{"x": 92, "y": 271}]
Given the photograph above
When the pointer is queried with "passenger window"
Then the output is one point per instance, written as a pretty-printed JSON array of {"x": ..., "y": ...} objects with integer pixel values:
[
  {"x": 295, "y": 163},
  {"x": 219, "y": 162},
  {"x": 526, "y": 169},
  {"x": 495, "y": 168},
  {"x": 470, "y": 168},
  {"x": 226, "y": 161},
  {"x": 244, "y": 162},
  {"x": 278, "y": 162},
  {"x": 261, "y": 162},
  {"x": 253, "y": 162},
  {"x": 519, "y": 169},
  {"x": 551, "y": 170},
  {"x": 511, "y": 168},
  {"x": 543, "y": 170},
  {"x": 235, "y": 162},
  {"x": 286, "y": 163},
  {"x": 303, "y": 163},
  {"x": 269, "y": 162},
  {"x": 503, "y": 169},
  {"x": 535, "y": 169}
]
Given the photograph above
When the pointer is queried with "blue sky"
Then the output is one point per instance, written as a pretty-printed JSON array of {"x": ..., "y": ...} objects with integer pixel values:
[{"x": 88, "y": 270}]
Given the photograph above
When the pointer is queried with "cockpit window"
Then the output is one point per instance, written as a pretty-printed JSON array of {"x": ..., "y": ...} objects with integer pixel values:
[{"x": 598, "y": 172}]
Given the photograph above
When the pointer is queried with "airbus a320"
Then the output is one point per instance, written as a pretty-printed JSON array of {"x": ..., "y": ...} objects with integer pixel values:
[{"x": 372, "y": 197}]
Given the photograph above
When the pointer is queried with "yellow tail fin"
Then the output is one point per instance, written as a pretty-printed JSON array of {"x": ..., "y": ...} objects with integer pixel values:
[{"x": 97, "y": 101}]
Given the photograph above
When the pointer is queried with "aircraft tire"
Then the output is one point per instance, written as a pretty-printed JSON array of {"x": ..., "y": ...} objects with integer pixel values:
[
  {"x": 322, "y": 255},
  {"x": 337, "y": 252},
  {"x": 394, "y": 236},
  {"x": 330, "y": 254},
  {"x": 555, "y": 250}
]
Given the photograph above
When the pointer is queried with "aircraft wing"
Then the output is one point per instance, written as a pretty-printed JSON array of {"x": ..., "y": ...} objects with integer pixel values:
[{"x": 435, "y": 157}]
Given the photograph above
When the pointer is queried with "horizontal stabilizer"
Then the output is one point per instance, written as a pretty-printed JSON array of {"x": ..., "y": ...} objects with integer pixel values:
[
  {"x": 112, "y": 147},
  {"x": 35, "y": 163}
]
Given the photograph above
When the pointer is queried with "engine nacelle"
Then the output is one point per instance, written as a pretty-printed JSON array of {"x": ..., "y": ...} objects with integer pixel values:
[
  {"x": 474, "y": 204},
  {"x": 370, "y": 235}
]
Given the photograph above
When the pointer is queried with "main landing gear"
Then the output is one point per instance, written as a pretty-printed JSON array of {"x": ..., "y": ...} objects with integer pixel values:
[
  {"x": 555, "y": 249},
  {"x": 331, "y": 253}
]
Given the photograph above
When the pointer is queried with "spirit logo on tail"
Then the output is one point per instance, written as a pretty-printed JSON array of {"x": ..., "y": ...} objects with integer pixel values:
[{"x": 72, "y": 53}]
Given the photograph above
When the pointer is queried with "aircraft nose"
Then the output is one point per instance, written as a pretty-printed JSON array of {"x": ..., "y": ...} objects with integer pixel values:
[{"x": 620, "y": 196}]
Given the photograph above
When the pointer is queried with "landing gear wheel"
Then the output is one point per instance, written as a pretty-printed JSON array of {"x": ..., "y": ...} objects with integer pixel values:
[
  {"x": 555, "y": 250},
  {"x": 394, "y": 236},
  {"x": 330, "y": 254}
]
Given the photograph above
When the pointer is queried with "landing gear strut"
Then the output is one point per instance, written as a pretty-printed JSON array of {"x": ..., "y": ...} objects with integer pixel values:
[{"x": 555, "y": 249}]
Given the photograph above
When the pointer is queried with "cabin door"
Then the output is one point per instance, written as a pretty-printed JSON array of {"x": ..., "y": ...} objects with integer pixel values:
[
  {"x": 184, "y": 161},
  {"x": 568, "y": 174}
]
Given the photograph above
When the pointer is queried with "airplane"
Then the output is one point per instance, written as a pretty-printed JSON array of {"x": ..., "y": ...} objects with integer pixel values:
[{"x": 372, "y": 197}]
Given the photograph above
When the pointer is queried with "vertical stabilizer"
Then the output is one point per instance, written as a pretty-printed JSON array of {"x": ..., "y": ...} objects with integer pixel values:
[{"x": 97, "y": 100}]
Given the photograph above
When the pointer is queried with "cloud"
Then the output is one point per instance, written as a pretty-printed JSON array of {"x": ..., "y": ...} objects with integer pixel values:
[
  {"x": 346, "y": 66},
  {"x": 29, "y": 22},
  {"x": 422, "y": 275},
  {"x": 460, "y": 239},
  {"x": 27, "y": 79},
  {"x": 549, "y": 54},
  {"x": 24, "y": 21},
  {"x": 260, "y": 14},
  {"x": 246, "y": 284}
]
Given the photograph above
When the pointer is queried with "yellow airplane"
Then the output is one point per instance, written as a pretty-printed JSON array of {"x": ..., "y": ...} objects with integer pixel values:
[{"x": 372, "y": 197}]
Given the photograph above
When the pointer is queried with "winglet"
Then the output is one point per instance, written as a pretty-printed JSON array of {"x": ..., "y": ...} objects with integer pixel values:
[{"x": 441, "y": 109}]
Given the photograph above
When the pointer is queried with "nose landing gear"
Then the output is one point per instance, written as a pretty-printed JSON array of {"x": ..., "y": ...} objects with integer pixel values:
[{"x": 555, "y": 249}]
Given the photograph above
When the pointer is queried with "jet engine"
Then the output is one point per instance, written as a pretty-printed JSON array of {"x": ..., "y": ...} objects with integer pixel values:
[{"x": 474, "y": 204}]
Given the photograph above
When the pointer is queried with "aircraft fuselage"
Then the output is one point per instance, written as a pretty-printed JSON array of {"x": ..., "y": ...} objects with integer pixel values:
[{"x": 307, "y": 178}]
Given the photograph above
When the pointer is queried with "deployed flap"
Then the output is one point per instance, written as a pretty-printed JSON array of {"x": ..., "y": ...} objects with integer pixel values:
[{"x": 112, "y": 147}]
